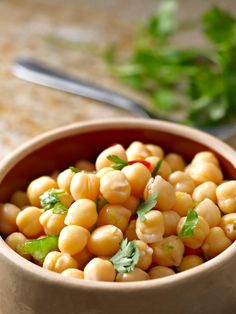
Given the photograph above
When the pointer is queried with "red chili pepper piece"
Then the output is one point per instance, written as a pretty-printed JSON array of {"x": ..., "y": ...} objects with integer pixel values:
[
  {"x": 144, "y": 162},
  {"x": 189, "y": 251}
]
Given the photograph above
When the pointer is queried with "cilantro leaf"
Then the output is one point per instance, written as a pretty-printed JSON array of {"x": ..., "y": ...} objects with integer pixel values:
[
  {"x": 59, "y": 208},
  {"x": 39, "y": 248},
  {"x": 74, "y": 169},
  {"x": 100, "y": 202},
  {"x": 146, "y": 206},
  {"x": 118, "y": 163},
  {"x": 50, "y": 200},
  {"x": 127, "y": 257},
  {"x": 190, "y": 224},
  {"x": 157, "y": 167}
]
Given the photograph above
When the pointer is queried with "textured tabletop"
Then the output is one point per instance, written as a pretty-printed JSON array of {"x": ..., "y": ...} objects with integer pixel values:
[{"x": 68, "y": 35}]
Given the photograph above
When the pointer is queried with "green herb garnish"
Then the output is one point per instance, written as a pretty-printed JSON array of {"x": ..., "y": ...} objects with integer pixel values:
[
  {"x": 168, "y": 247},
  {"x": 74, "y": 169},
  {"x": 118, "y": 163},
  {"x": 157, "y": 167},
  {"x": 100, "y": 202},
  {"x": 39, "y": 248},
  {"x": 199, "y": 82},
  {"x": 127, "y": 257},
  {"x": 146, "y": 206},
  {"x": 50, "y": 200},
  {"x": 190, "y": 224}
]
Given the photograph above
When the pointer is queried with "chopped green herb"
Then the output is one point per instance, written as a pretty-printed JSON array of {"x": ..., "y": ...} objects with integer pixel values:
[
  {"x": 74, "y": 169},
  {"x": 158, "y": 166},
  {"x": 146, "y": 206},
  {"x": 59, "y": 208},
  {"x": 118, "y": 163},
  {"x": 127, "y": 257},
  {"x": 190, "y": 224},
  {"x": 50, "y": 200},
  {"x": 39, "y": 248},
  {"x": 100, "y": 202}
]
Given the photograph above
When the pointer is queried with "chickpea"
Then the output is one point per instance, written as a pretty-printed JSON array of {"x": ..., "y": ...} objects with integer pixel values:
[
  {"x": 136, "y": 274},
  {"x": 16, "y": 239},
  {"x": 37, "y": 187},
  {"x": 145, "y": 259},
  {"x": 168, "y": 251},
  {"x": 205, "y": 157},
  {"x": 228, "y": 224},
  {"x": 171, "y": 220},
  {"x": 166, "y": 198},
  {"x": 136, "y": 151},
  {"x": 105, "y": 240},
  {"x": 190, "y": 261},
  {"x": 83, "y": 257},
  {"x": 28, "y": 222},
  {"x": 182, "y": 182},
  {"x": 205, "y": 171},
  {"x": 201, "y": 231},
  {"x": 164, "y": 170},
  {"x": 84, "y": 185},
  {"x": 216, "y": 242},
  {"x": 226, "y": 197},
  {"x": 103, "y": 171},
  {"x": 73, "y": 239},
  {"x": 137, "y": 176},
  {"x": 130, "y": 231},
  {"x": 175, "y": 161},
  {"x": 85, "y": 165},
  {"x": 131, "y": 203},
  {"x": 64, "y": 179},
  {"x": 73, "y": 272},
  {"x": 52, "y": 223},
  {"x": 115, "y": 187},
  {"x": 99, "y": 269},
  {"x": 160, "y": 271},
  {"x": 183, "y": 203},
  {"x": 205, "y": 190},
  {"x": 58, "y": 262},
  {"x": 209, "y": 211},
  {"x": 187, "y": 169},
  {"x": 19, "y": 199},
  {"x": 8, "y": 215},
  {"x": 152, "y": 228},
  {"x": 155, "y": 150},
  {"x": 82, "y": 213},
  {"x": 116, "y": 215},
  {"x": 117, "y": 150}
]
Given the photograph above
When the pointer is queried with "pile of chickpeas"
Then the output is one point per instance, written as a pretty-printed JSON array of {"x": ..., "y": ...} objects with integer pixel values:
[{"x": 88, "y": 238}]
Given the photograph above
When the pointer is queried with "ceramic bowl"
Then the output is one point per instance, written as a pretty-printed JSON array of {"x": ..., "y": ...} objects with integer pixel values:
[{"x": 28, "y": 289}]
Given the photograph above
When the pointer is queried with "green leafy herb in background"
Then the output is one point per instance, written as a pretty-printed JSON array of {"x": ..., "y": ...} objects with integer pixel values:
[
  {"x": 127, "y": 257},
  {"x": 189, "y": 225},
  {"x": 198, "y": 81},
  {"x": 100, "y": 202},
  {"x": 146, "y": 206},
  {"x": 39, "y": 248},
  {"x": 50, "y": 200}
]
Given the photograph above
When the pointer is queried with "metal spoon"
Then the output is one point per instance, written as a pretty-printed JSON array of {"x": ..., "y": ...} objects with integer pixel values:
[{"x": 35, "y": 72}]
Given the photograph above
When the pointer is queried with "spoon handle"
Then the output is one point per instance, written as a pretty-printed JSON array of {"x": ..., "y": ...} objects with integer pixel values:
[{"x": 33, "y": 71}]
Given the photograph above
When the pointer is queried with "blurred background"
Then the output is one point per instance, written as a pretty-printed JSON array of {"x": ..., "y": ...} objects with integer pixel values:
[{"x": 74, "y": 36}]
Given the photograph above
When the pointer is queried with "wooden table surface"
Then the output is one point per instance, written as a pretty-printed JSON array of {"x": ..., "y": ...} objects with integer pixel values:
[{"x": 68, "y": 35}]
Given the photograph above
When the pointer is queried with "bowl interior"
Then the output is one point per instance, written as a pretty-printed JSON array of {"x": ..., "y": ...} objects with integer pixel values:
[{"x": 64, "y": 148}]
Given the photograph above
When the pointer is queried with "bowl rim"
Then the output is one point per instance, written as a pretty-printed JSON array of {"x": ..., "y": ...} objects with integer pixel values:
[{"x": 37, "y": 142}]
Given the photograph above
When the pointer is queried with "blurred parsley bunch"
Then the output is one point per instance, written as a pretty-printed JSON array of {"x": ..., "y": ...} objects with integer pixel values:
[{"x": 200, "y": 81}]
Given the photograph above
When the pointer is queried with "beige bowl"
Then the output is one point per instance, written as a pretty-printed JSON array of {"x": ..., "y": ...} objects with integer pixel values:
[{"x": 28, "y": 289}]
